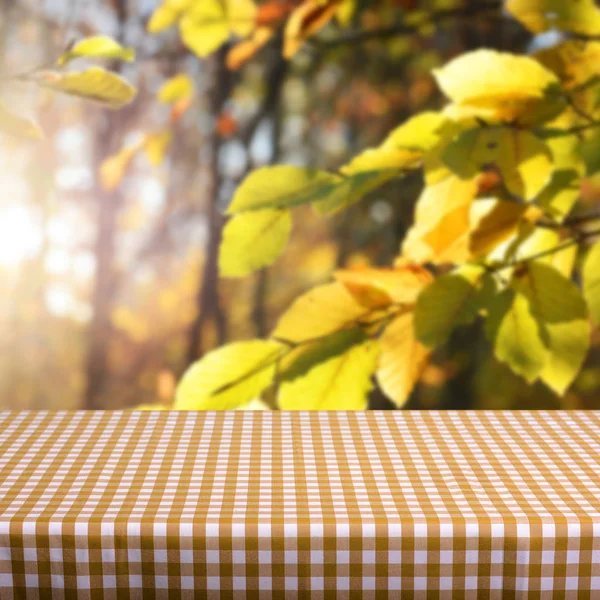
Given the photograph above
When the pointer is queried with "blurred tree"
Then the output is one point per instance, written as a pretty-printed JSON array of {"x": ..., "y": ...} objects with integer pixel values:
[{"x": 116, "y": 224}]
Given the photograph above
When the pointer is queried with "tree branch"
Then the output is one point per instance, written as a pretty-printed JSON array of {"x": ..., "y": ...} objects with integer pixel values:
[{"x": 436, "y": 17}]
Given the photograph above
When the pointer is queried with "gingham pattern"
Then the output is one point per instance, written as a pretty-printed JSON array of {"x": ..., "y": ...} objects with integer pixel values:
[{"x": 102, "y": 505}]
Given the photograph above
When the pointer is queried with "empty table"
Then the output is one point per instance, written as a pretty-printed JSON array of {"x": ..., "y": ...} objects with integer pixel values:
[{"x": 299, "y": 505}]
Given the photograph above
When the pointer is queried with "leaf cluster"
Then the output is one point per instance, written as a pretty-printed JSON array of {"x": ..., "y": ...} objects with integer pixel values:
[{"x": 496, "y": 236}]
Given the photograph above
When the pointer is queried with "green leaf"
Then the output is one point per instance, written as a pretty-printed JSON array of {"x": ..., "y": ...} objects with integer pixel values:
[
  {"x": 229, "y": 376},
  {"x": 283, "y": 187},
  {"x": 534, "y": 240},
  {"x": 99, "y": 46},
  {"x": 591, "y": 281},
  {"x": 560, "y": 196},
  {"x": 335, "y": 375},
  {"x": 567, "y": 152},
  {"x": 516, "y": 334},
  {"x": 309, "y": 355},
  {"x": 353, "y": 188},
  {"x": 253, "y": 240},
  {"x": 94, "y": 84},
  {"x": 451, "y": 300},
  {"x": 559, "y": 307},
  {"x": 524, "y": 160}
]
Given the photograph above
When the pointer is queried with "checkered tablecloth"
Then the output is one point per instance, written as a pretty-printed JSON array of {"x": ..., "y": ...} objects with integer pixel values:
[{"x": 299, "y": 505}]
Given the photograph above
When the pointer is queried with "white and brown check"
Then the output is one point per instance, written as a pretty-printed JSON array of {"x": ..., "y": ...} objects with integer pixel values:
[{"x": 169, "y": 505}]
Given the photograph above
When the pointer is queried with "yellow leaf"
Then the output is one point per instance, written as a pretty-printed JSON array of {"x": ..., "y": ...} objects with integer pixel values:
[
  {"x": 532, "y": 240},
  {"x": 167, "y": 14},
  {"x": 379, "y": 287},
  {"x": 345, "y": 12},
  {"x": 99, "y": 46},
  {"x": 241, "y": 15},
  {"x": 379, "y": 159},
  {"x": 564, "y": 260},
  {"x": 334, "y": 375},
  {"x": 283, "y": 187},
  {"x": 18, "y": 126},
  {"x": 179, "y": 87},
  {"x": 591, "y": 281},
  {"x": 207, "y": 25},
  {"x": 499, "y": 222},
  {"x": 243, "y": 51},
  {"x": 402, "y": 359},
  {"x": 575, "y": 62},
  {"x": 420, "y": 133},
  {"x": 579, "y": 16},
  {"x": 451, "y": 300},
  {"x": 156, "y": 145},
  {"x": 404, "y": 148},
  {"x": 94, "y": 84},
  {"x": 228, "y": 377},
  {"x": 253, "y": 240},
  {"x": 309, "y": 18},
  {"x": 205, "y": 29},
  {"x": 516, "y": 334},
  {"x": 254, "y": 404},
  {"x": 440, "y": 233},
  {"x": 559, "y": 307},
  {"x": 322, "y": 311},
  {"x": 501, "y": 86},
  {"x": 113, "y": 168},
  {"x": 524, "y": 161}
]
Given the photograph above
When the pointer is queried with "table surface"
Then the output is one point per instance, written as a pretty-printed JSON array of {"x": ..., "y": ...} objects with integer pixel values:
[{"x": 485, "y": 504}]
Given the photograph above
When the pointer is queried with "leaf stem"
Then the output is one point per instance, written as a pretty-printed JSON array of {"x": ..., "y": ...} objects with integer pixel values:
[
  {"x": 578, "y": 110},
  {"x": 291, "y": 346},
  {"x": 557, "y": 133},
  {"x": 562, "y": 246}
]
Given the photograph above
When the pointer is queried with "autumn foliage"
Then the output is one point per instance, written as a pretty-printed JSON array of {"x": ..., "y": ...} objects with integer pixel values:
[
  {"x": 500, "y": 235},
  {"x": 491, "y": 239}
]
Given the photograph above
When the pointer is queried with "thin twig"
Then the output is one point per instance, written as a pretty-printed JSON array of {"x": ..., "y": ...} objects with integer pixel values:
[
  {"x": 581, "y": 236},
  {"x": 577, "y": 109}
]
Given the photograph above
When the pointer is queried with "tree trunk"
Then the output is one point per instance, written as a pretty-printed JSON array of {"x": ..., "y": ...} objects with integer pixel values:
[
  {"x": 108, "y": 204},
  {"x": 273, "y": 108},
  {"x": 208, "y": 303}
]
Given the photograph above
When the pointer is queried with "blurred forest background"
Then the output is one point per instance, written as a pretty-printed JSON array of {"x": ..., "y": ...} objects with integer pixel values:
[{"x": 109, "y": 292}]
